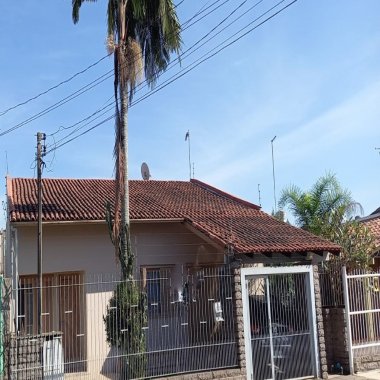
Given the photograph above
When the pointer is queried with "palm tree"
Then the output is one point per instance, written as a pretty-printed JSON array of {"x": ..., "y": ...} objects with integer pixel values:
[
  {"x": 142, "y": 34},
  {"x": 324, "y": 207}
]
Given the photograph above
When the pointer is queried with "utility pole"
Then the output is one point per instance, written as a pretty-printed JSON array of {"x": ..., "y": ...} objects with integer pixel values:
[
  {"x": 41, "y": 150},
  {"x": 274, "y": 178}
]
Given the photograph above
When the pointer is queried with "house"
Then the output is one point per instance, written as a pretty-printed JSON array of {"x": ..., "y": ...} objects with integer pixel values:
[
  {"x": 184, "y": 235},
  {"x": 372, "y": 221}
]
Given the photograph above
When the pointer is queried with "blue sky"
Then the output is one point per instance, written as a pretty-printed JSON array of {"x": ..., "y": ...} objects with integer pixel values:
[{"x": 310, "y": 76}]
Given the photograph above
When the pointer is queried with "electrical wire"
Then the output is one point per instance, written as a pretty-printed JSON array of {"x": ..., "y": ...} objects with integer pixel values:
[
  {"x": 90, "y": 85},
  {"x": 179, "y": 59},
  {"x": 200, "y": 60},
  {"x": 190, "y": 69},
  {"x": 64, "y": 81},
  {"x": 53, "y": 87},
  {"x": 205, "y": 57},
  {"x": 81, "y": 134}
]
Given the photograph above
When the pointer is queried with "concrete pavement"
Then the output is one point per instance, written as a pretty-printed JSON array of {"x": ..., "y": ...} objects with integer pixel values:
[{"x": 371, "y": 375}]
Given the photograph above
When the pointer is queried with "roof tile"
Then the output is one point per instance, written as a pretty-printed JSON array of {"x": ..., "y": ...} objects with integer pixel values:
[
  {"x": 223, "y": 217},
  {"x": 374, "y": 226}
]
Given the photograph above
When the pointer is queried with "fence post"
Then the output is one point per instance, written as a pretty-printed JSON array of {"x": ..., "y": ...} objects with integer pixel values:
[
  {"x": 348, "y": 318},
  {"x": 1, "y": 329}
]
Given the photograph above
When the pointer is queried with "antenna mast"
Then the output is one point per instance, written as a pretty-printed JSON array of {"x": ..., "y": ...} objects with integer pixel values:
[
  {"x": 187, "y": 138},
  {"x": 258, "y": 189},
  {"x": 274, "y": 177}
]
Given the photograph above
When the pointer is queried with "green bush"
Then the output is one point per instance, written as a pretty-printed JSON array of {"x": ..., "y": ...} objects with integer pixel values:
[{"x": 124, "y": 321}]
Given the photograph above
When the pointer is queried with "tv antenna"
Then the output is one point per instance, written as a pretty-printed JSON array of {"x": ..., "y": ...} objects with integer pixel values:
[
  {"x": 258, "y": 188},
  {"x": 187, "y": 138},
  {"x": 145, "y": 171},
  {"x": 274, "y": 177}
]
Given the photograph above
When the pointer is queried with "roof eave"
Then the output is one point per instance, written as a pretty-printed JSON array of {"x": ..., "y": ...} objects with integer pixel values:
[
  {"x": 100, "y": 221},
  {"x": 369, "y": 217}
]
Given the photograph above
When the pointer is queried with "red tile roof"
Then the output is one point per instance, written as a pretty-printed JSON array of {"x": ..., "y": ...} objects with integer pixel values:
[
  {"x": 373, "y": 223},
  {"x": 223, "y": 217}
]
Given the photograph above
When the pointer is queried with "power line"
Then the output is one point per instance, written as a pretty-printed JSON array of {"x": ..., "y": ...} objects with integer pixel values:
[
  {"x": 53, "y": 87},
  {"x": 205, "y": 57},
  {"x": 81, "y": 127},
  {"x": 56, "y": 105},
  {"x": 179, "y": 59},
  {"x": 90, "y": 85},
  {"x": 177, "y": 5},
  {"x": 218, "y": 33},
  {"x": 81, "y": 134},
  {"x": 62, "y": 82},
  {"x": 192, "y": 68}
]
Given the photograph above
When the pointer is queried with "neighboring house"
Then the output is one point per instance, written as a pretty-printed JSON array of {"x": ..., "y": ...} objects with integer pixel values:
[
  {"x": 372, "y": 221},
  {"x": 177, "y": 227}
]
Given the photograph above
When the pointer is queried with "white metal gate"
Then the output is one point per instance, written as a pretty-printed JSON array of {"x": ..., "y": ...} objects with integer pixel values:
[
  {"x": 279, "y": 323},
  {"x": 362, "y": 303}
]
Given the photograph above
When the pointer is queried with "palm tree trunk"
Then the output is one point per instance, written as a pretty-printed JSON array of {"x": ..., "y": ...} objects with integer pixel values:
[
  {"x": 125, "y": 254},
  {"x": 126, "y": 239}
]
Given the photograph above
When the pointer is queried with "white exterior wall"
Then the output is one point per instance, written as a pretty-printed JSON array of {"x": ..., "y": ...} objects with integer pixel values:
[
  {"x": 172, "y": 245},
  {"x": 72, "y": 247},
  {"x": 87, "y": 248}
]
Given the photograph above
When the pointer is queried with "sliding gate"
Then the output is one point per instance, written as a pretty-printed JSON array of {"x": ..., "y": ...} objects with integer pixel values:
[{"x": 279, "y": 323}]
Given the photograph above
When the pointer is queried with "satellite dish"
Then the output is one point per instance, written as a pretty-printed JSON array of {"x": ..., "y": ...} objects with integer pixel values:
[{"x": 145, "y": 171}]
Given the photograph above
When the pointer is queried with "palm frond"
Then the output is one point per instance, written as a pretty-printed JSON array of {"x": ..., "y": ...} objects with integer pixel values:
[
  {"x": 112, "y": 10},
  {"x": 158, "y": 32},
  {"x": 76, "y": 4},
  {"x": 298, "y": 203}
]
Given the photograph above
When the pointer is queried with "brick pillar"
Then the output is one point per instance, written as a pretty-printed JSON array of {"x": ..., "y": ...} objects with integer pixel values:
[
  {"x": 239, "y": 321},
  {"x": 320, "y": 328}
]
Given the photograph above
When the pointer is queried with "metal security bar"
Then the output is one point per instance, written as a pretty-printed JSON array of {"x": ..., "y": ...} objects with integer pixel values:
[
  {"x": 98, "y": 327},
  {"x": 331, "y": 283},
  {"x": 279, "y": 323},
  {"x": 362, "y": 291}
]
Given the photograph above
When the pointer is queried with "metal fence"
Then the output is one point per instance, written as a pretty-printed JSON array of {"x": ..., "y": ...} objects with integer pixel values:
[
  {"x": 98, "y": 327},
  {"x": 362, "y": 292},
  {"x": 331, "y": 284},
  {"x": 281, "y": 315}
]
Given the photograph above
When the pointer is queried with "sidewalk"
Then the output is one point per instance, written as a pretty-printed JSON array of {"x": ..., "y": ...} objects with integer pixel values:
[{"x": 372, "y": 375}]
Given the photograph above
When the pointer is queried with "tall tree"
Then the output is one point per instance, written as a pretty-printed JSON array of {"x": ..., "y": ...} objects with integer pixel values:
[
  {"x": 318, "y": 209},
  {"x": 327, "y": 210},
  {"x": 142, "y": 35}
]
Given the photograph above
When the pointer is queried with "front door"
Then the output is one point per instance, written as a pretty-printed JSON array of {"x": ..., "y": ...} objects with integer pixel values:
[{"x": 279, "y": 323}]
